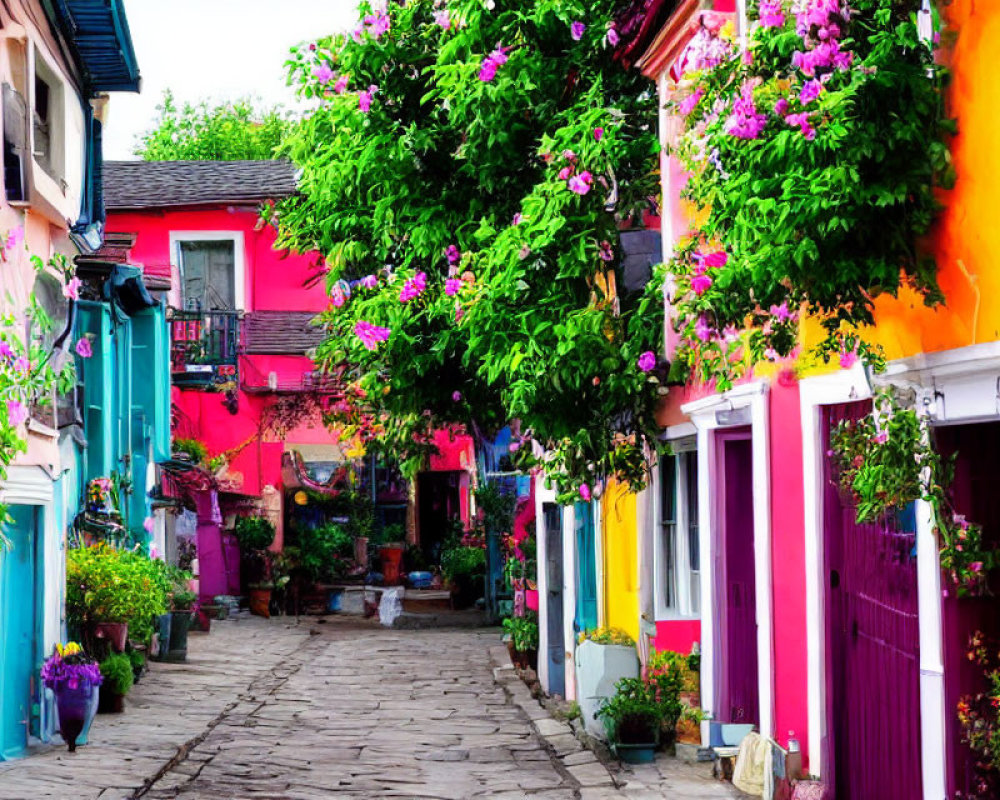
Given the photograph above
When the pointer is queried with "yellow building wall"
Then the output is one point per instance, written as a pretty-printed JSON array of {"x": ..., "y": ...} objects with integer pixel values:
[{"x": 620, "y": 537}]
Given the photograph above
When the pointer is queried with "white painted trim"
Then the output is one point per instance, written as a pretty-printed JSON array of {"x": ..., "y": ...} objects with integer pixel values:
[
  {"x": 838, "y": 387},
  {"x": 597, "y": 504},
  {"x": 241, "y": 268},
  {"x": 542, "y": 495},
  {"x": 683, "y": 610},
  {"x": 752, "y": 396},
  {"x": 681, "y": 431},
  {"x": 569, "y": 597}
]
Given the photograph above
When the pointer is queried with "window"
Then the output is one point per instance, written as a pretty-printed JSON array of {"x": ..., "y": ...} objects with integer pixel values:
[
  {"x": 677, "y": 554},
  {"x": 15, "y": 135},
  {"x": 208, "y": 275},
  {"x": 47, "y": 124}
]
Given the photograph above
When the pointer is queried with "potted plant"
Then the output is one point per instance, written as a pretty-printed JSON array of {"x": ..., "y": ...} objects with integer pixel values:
[
  {"x": 181, "y": 609},
  {"x": 523, "y": 632},
  {"x": 74, "y": 678},
  {"x": 116, "y": 670},
  {"x": 391, "y": 553},
  {"x": 632, "y": 718},
  {"x": 465, "y": 570},
  {"x": 603, "y": 657},
  {"x": 254, "y": 532}
]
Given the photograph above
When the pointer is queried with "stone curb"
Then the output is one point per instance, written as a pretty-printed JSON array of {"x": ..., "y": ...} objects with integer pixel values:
[{"x": 569, "y": 753}]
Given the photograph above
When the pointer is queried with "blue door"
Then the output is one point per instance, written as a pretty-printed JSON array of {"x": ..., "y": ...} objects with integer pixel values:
[
  {"x": 554, "y": 599},
  {"x": 20, "y": 618},
  {"x": 586, "y": 568}
]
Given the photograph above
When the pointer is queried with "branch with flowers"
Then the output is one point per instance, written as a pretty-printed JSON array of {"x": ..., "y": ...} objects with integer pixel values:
[
  {"x": 885, "y": 461},
  {"x": 979, "y": 718},
  {"x": 466, "y": 174},
  {"x": 813, "y": 155}
]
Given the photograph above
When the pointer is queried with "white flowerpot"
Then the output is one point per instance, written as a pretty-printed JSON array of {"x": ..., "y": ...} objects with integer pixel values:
[{"x": 598, "y": 668}]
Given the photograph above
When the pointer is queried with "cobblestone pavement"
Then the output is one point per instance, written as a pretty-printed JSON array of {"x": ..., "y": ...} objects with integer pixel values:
[{"x": 266, "y": 710}]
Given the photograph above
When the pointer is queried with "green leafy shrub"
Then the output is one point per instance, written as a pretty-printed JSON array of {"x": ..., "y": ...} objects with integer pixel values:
[
  {"x": 104, "y": 584},
  {"x": 465, "y": 569},
  {"x": 324, "y": 552},
  {"x": 523, "y": 631},
  {"x": 633, "y": 715},
  {"x": 193, "y": 448},
  {"x": 607, "y": 636},
  {"x": 254, "y": 532},
  {"x": 117, "y": 672}
]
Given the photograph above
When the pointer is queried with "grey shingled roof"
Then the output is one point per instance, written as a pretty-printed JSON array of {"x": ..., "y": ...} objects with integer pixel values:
[{"x": 157, "y": 184}]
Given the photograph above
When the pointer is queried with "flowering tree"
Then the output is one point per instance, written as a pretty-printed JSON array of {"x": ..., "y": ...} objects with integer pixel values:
[
  {"x": 813, "y": 154},
  {"x": 466, "y": 175}
]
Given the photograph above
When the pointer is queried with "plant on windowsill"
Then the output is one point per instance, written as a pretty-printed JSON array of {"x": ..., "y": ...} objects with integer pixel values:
[{"x": 885, "y": 461}]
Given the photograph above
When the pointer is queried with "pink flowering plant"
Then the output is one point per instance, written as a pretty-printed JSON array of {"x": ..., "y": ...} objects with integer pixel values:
[
  {"x": 485, "y": 188},
  {"x": 885, "y": 461},
  {"x": 813, "y": 156}
]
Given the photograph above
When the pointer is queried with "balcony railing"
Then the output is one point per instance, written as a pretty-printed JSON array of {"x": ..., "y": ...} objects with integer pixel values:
[{"x": 204, "y": 346}]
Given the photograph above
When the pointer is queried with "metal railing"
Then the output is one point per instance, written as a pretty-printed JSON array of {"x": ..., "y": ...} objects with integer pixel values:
[{"x": 204, "y": 345}]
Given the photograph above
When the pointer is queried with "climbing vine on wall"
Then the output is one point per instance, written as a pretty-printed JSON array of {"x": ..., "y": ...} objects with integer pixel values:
[{"x": 813, "y": 153}]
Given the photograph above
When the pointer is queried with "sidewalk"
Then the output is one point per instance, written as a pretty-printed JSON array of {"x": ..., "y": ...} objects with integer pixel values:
[{"x": 166, "y": 712}]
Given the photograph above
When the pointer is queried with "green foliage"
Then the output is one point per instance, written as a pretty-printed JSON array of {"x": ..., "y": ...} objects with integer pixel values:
[
  {"x": 885, "y": 461},
  {"x": 232, "y": 131},
  {"x": 194, "y": 448},
  {"x": 632, "y": 714},
  {"x": 254, "y": 532},
  {"x": 174, "y": 582},
  {"x": 607, "y": 636},
  {"x": 523, "y": 631},
  {"x": 823, "y": 224},
  {"x": 104, "y": 584},
  {"x": 117, "y": 672},
  {"x": 325, "y": 551},
  {"x": 497, "y": 508},
  {"x": 534, "y": 328},
  {"x": 459, "y": 563}
]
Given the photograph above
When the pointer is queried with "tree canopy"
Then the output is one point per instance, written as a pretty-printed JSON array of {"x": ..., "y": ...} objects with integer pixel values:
[
  {"x": 232, "y": 131},
  {"x": 466, "y": 175}
]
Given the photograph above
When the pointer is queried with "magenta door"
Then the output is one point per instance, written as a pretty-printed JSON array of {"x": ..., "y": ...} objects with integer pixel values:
[
  {"x": 736, "y": 668},
  {"x": 872, "y": 659}
]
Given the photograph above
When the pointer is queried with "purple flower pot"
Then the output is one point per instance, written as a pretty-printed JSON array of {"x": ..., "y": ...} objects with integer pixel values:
[{"x": 75, "y": 707}]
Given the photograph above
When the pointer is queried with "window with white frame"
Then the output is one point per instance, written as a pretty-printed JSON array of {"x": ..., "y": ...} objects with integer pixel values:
[
  {"x": 208, "y": 274},
  {"x": 677, "y": 555},
  {"x": 48, "y": 121}
]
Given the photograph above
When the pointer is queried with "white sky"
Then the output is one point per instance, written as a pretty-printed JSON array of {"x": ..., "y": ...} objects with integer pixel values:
[{"x": 216, "y": 50}]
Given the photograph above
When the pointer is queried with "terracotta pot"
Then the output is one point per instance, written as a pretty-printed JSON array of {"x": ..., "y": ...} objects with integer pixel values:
[
  {"x": 392, "y": 559},
  {"x": 260, "y": 602},
  {"x": 114, "y": 632}
]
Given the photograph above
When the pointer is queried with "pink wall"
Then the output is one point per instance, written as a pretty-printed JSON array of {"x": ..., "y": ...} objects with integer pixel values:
[
  {"x": 788, "y": 564},
  {"x": 276, "y": 278},
  {"x": 678, "y": 635}
]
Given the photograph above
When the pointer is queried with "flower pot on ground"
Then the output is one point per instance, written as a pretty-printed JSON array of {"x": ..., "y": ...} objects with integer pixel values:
[
  {"x": 116, "y": 671},
  {"x": 260, "y": 600},
  {"x": 74, "y": 678},
  {"x": 632, "y": 718},
  {"x": 162, "y": 629},
  {"x": 180, "y": 623},
  {"x": 115, "y": 633},
  {"x": 391, "y": 556},
  {"x": 465, "y": 570},
  {"x": 523, "y": 632},
  {"x": 603, "y": 657}
]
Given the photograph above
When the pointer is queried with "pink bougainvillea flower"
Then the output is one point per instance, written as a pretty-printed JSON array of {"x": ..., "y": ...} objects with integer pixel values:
[
  {"x": 377, "y": 24},
  {"x": 341, "y": 85},
  {"x": 369, "y": 281},
  {"x": 569, "y": 155},
  {"x": 492, "y": 62},
  {"x": 686, "y": 106},
  {"x": 976, "y": 566},
  {"x": 21, "y": 364},
  {"x": 801, "y": 121},
  {"x": 83, "y": 348},
  {"x": 700, "y": 284},
  {"x": 771, "y": 14},
  {"x": 16, "y": 413},
  {"x": 576, "y": 30},
  {"x": 364, "y": 101},
  {"x": 323, "y": 73},
  {"x": 598, "y": 134},
  {"x": 747, "y": 58},
  {"x": 881, "y": 437},
  {"x": 781, "y": 107},
  {"x": 337, "y": 297},
  {"x": 580, "y": 184},
  {"x": 848, "y": 358},
  {"x": 518, "y": 219},
  {"x": 459, "y": 313},
  {"x": 369, "y": 334},
  {"x": 442, "y": 18},
  {"x": 148, "y": 524},
  {"x": 606, "y": 253},
  {"x": 413, "y": 287},
  {"x": 451, "y": 286},
  {"x": 565, "y": 173},
  {"x": 524, "y": 252},
  {"x": 781, "y": 313},
  {"x": 771, "y": 354},
  {"x": 5, "y": 351},
  {"x": 745, "y": 122},
  {"x": 702, "y": 329},
  {"x": 453, "y": 254},
  {"x": 513, "y": 447},
  {"x": 14, "y": 238},
  {"x": 585, "y": 492},
  {"x": 717, "y": 258},
  {"x": 611, "y": 37},
  {"x": 810, "y": 91},
  {"x": 72, "y": 288},
  {"x": 456, "y": 397},
  {"x": 647, "y": 361}
]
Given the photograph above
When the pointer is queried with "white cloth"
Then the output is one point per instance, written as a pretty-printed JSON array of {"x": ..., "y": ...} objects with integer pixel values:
[{"x": 751, "y": 764}]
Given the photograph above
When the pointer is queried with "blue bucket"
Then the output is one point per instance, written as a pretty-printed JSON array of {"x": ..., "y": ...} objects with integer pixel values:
[{"x": 333, "y": 601}]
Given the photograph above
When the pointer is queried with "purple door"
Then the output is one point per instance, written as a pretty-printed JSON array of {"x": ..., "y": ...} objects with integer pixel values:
[
  {"x": 872, "y": 659},
  {"x": 736, "y": 668}
]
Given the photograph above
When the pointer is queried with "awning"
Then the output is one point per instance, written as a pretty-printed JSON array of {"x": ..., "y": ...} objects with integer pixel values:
[{"x": 98, "y": 33}]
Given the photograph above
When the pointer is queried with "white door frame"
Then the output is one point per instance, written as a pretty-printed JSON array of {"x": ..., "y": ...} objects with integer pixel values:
[{"x": 745, "y": 404}]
